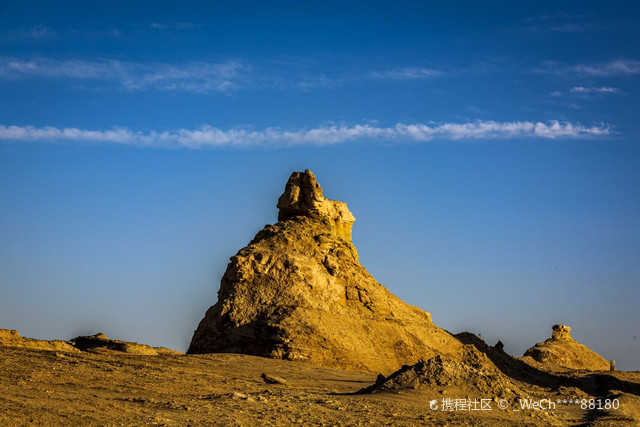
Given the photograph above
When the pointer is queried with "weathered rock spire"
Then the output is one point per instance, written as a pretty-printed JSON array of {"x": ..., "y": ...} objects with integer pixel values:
[
  {"x": 303, "y": 197},
  {"x": 298, "y": 292}
]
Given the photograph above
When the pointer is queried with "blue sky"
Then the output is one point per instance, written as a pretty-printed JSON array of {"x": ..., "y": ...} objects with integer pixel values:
[{"x": 489, "y": 151}]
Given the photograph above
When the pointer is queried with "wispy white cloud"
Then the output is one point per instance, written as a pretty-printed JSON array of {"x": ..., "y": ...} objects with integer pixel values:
[
  {"x": 612, "y": 68},
  {"x": 618, "y": 67},
  {"x": 11, "y": 68},
  {"x": 198, "y": 77},
  {"x": 330, "y": 134},
  {"x": 53, "y": 134},
  {"x": 279, "y": 79},
  {"x": 409, "y": 73},
  {"x": 587, "y": 92},
  {"x": 595, "y": 89}
]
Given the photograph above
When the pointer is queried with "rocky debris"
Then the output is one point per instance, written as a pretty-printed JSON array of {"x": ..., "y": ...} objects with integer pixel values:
[
  {"x": 474, "y": 371},
  {"x": 562, "y": 351},
  {"x": 273, "y": 379},
  {"x": 299, "y": 292},
  {"x": 12, "y": 338},
  {"x": 101, "y": 341},
  {"x": 238, "y": 395}
]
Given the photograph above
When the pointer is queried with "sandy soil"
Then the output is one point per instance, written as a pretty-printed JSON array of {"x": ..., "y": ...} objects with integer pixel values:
[{"x": 107, "y": 387}]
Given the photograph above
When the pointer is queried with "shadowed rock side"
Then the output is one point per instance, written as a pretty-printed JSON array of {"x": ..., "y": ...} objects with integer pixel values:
[
  {"x": 561, "y": 350},
  {"x": 298, "y": 292}
]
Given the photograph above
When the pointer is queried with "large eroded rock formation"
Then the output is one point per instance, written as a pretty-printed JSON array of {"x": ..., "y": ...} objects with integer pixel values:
[{"x": 298, "y": 292}]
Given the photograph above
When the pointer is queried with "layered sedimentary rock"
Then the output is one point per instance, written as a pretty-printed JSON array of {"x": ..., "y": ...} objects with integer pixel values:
[
  {"x": 298, "y": 292},
  {"x": 561, "y": 350}
]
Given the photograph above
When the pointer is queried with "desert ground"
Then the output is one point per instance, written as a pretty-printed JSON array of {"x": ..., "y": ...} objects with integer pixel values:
[{"x": 102, "y": 386}]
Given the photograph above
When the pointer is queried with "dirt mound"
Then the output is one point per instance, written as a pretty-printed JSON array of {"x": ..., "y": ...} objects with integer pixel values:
[
  {"x": 12, "y": 338},
  {"x": 101, "y": 341},
  {"x": 474, "y": 372},
  {"x": 299, "y": 292},
  {"x": 562, "y": 351}
]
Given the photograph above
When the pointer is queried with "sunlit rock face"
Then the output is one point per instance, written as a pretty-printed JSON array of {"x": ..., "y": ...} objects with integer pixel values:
[
  {"x": 298, "y": 292},
  {"x": 562, "y": 351}
]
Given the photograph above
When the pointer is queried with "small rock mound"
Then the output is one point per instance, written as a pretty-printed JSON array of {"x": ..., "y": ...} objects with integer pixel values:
[
  {"x": 9, "y": 335},
  {"x": 474, "y": 372},
  {"x": 101, "y": 341},
  {"x": 12, "y": 338},
  {"x": 562, "y": 351}
]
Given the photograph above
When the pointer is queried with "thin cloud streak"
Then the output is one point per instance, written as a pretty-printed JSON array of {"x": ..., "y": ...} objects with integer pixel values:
[
  {"x": 209, "y": 136},
  {"x": 587, "y": 92},
  {"x": 593, "y": 89},
  {"x": 411, "y": 73},
  {"x": 618, "y": 67},
  {"x": 199, "y": 77},
  {"x": 612, "y": 68},
  {"x": 196, "y": 77}
]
